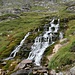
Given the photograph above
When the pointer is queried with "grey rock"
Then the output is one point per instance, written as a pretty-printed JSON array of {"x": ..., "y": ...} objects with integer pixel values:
[
  {"x": 72, "y": 71},
  {"x": 22, "y": 72}
]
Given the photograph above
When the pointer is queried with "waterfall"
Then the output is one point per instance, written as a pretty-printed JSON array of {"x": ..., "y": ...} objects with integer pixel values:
[
  {"x": 61, "y": 35},
  {"x": 14, "y": 52},
  {"x": 41, "y": 43},
  {"x": 38, "y": 48}
]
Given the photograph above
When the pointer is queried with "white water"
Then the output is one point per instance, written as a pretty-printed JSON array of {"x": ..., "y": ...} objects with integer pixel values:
[
  {"x": 61, "y": 35},
  {"x": 39, "y": 46},
  {"x": 14, "y": 52}
]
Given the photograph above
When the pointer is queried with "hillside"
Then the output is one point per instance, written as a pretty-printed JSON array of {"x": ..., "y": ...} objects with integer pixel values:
[
  {"x": 22, "y": 16},
  {"x": 19, "y": 6}
]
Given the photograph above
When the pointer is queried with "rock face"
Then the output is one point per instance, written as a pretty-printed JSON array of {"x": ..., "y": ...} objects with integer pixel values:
[
  {"x": 16, "y": 7},
  {"x": 71, "y": 6}
]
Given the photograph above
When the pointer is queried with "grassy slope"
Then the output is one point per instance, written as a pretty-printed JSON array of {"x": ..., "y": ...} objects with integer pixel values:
[
  {"x": 16, "y": 29},
  {"x": 13, "y": 31},
  {"x": 64, "y": 56},
  {"x": 28, "y": 21}
]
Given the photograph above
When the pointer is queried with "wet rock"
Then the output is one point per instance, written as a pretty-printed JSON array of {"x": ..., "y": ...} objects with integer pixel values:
[{"x": 72, "y": 71}]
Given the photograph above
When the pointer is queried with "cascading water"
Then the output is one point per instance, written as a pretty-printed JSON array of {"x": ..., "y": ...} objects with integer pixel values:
[
  {"x": 42, "y": 42},
  {"x": 13, "y": 53},
  {"x": 61, "y": 35}
]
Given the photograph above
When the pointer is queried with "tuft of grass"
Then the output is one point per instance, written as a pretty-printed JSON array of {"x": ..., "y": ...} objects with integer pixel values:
[{"x": 71, "y": 28}]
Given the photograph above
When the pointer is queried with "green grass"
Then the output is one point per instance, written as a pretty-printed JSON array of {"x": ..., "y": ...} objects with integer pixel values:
[
  {"x": 71, "y": 28},
  {"x": 64, "y": 56},
  {"x": 13, "y": 31}
]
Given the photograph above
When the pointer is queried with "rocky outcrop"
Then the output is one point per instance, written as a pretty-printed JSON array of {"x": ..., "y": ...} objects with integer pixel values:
[{"x": 71, "y": 9}]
